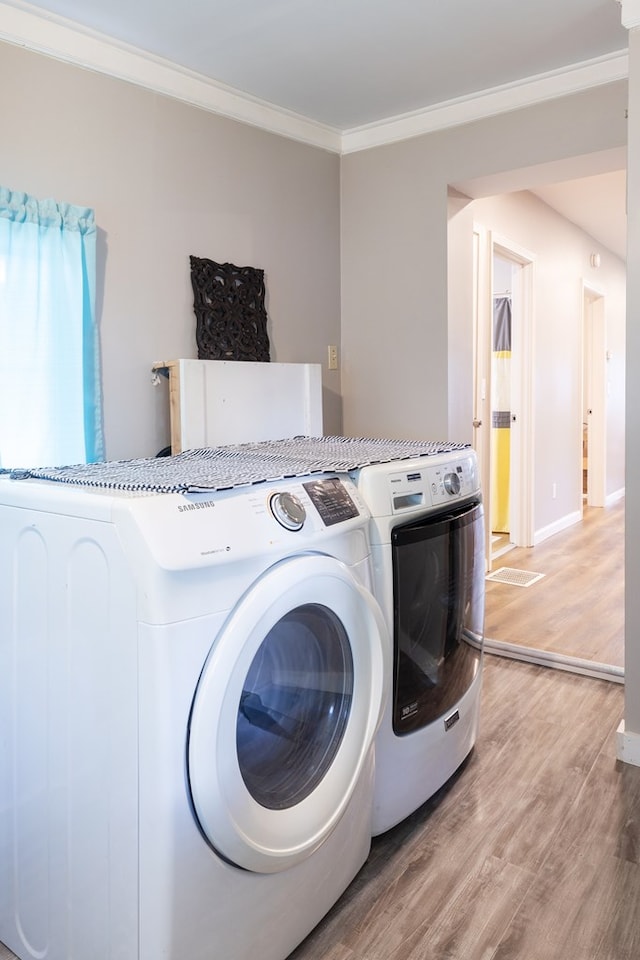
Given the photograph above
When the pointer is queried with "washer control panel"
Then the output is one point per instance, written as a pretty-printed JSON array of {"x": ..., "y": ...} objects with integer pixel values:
[
  {"x": 204, "y": 528},
  {"x": 287, "y": 510},
  {"x": 331, "y": 499},
  {"x": 328, "y": 495}
]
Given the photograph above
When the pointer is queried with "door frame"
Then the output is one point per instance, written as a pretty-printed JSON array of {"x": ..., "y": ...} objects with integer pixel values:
[
  {"x": 594, "y": 390},
  {"x": 486, "y": 244}
]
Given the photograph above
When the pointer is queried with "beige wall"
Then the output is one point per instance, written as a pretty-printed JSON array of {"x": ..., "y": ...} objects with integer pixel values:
[
  {"x": 168, "y": 180},
  {"x": 397, "y": 377}
]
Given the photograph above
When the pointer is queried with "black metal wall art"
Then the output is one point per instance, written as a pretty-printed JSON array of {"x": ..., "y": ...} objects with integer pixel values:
[{"x": 231, "y": 317}]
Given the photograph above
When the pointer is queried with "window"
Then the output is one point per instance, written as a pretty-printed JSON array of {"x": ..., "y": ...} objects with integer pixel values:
[{"x": 50, "y": 403}]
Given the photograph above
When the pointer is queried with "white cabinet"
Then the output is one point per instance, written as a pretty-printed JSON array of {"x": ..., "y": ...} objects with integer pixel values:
[{"x": 219, "y": 402}]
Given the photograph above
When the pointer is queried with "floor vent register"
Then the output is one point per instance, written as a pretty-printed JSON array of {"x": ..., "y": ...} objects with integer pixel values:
[{"x": 516, "y": 578}]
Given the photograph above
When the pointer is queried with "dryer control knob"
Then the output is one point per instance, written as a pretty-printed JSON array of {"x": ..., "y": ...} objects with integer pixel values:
[
  {"x": 452, "y": 483},
  {"x": 288, "y": 511}
]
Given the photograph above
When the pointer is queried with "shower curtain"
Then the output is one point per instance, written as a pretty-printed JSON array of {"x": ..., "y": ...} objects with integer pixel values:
[{"x": 501, "y": 414}]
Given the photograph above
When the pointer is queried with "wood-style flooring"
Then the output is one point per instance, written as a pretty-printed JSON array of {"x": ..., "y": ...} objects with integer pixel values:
[
  {"x": 577, "y": 609},
  {"x": 532, "y": 852}
]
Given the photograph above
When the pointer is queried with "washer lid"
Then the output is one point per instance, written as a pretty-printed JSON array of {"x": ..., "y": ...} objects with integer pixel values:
[{"x": 285, "y": 713}]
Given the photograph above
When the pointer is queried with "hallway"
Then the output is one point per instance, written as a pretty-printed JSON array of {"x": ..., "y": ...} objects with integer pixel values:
[{"x": 577, "y": 608}]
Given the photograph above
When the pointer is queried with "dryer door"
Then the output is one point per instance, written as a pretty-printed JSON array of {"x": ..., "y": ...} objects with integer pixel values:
[{"x": 285, "y": 713}]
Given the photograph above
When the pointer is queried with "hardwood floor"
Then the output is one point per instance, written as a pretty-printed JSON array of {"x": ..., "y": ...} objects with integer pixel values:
[
  {"x": 577, "y": 609},
  {"x": 532, "y": 852}
]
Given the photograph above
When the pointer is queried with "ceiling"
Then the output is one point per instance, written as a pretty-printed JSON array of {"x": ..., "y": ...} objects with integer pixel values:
[
  {"x": 355, "y": 64},
  {"x": 351, "y": 62},
  {"x": 597, "y": 204}
]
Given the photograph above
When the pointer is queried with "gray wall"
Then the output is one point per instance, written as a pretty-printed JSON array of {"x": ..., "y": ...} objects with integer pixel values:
[
  {"x": 167, "y": 180},
  {"x": 397, "y": 376}
]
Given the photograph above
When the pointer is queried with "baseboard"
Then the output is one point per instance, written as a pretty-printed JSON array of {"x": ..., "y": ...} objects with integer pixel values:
[
  {"x": 627, "y": 746},
  {"x": 615, "y": 496},
  {"x": 570, "y": 518},
  {"x": 562, "y": 524}
]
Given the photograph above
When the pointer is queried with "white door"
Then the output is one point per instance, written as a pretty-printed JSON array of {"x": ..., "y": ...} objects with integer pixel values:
[{"x": 285, "y": 713}]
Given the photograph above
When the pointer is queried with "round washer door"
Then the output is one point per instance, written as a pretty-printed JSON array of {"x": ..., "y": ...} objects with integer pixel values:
[{"x": 285, "y": 713}]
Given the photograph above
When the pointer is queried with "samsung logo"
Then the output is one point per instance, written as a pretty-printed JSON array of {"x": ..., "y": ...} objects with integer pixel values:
[{"x": 198, "y": 505}]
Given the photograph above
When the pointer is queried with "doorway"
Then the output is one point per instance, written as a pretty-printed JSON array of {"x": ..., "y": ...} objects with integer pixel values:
[
  {"x": 569, "y": 291},
  {"x": 594, "y": 398},
  {"x": 503, "y": 434},
  {"x": 502, "y": 497}
]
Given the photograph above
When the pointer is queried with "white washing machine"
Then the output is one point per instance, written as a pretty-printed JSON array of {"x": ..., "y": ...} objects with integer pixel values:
[
  {"x": 190, "y": 687},
  {"x": 427, "y": 545}
]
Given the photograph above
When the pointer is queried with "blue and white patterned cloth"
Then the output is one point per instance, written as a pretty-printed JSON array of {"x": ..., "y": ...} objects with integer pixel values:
[{"x": 221, "y": 468}]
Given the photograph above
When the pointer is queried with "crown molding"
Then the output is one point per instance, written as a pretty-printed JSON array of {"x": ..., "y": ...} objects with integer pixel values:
[
  {"x": 488, "y": 103},
  {"x": 24, "y": 25},
  {"x": 630, "y": 13}
]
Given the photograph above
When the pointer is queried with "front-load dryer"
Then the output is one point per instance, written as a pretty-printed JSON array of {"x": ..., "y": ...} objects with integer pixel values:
[
  {"x": 190, "y": 687},
  {"x": 427, "y": 546}
]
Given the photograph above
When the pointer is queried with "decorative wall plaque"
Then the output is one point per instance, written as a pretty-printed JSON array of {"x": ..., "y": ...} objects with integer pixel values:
[{"x": 231, "y": 318}]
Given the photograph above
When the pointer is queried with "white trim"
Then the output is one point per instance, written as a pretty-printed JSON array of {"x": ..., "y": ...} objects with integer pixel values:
[
  {"x": 482, "y": 323},
  {"x": 630, "y": 13},
  {"x": 523, "y": 360},
  {"x": 556, "y": 527},
  {"x": 64, "y": 40},
  {"x": 627, "y": 746},
  {"x": 594, "y": 330},
  {"x": 487, "y": 103},
  {"x": 615, "y": 497},
  {"x": 27, "y": 26},
  {"x": 556, "y": 661},
  {"x": 588, "y": 286}
]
